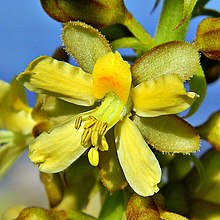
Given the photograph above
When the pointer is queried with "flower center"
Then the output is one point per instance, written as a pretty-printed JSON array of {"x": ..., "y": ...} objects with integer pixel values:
[{"x": 98, "y": 123}]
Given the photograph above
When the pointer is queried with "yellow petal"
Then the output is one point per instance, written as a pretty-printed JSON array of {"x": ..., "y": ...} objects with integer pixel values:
[
  {"x": 162, "y": 96},
  {"x": 112, "y": 74},
  {"x": 56, "y": 150},
  {"x": 15, "y": 115},
  {"x": 60, "y": 79},
  {"x": 138, "y": 162}
]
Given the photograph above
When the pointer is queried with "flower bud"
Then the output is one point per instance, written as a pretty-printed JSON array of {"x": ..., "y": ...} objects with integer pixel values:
[
  {"x": 99, "y": 13},
  {"x": 41, "y": 214}
]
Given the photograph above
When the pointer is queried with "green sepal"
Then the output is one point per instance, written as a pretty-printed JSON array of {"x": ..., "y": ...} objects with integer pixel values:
[
  {"x": 173, "y": 57},
  {"x": 198, "y": 85},
  {"x": 169, "y": 134},
  {"x": 85, "y": 43},
  {"x": 113, "y": 207}
]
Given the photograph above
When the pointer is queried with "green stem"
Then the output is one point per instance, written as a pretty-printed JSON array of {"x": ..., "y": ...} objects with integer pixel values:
[
  {"x": 137, "y": 30},
  {"x": 171, "y": 15},
  {"x": 129, "y": 42}
]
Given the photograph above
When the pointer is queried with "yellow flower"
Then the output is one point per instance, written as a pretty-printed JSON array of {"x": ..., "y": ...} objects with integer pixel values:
[
  {"x": 15, "y": 124},
  {"x": 110, "y": 84}
]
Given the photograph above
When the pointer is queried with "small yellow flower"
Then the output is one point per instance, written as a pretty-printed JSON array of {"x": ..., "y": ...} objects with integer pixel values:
[
  {"x": 110, "y": 84},
  {"x": 16, "y": 124}
]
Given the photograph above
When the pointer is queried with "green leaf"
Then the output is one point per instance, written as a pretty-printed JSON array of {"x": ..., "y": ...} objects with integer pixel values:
[
  {"x": 85, "y": 43},
  {"x": 198, "y": 85},
  {"x": 173, "y": 57},
  {"x": 207, "y": 38},
  {"x": 113, "y": 207},
  {"x": 169, "y": 134}
]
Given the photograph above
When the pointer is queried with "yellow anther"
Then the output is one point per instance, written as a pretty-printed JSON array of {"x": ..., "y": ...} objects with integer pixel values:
[
  {"x": 95, "y": 137},
  {"x": 97, "y": 126},
  {"x": 92, "y": 120},
  {"x": 86, "y": 137},
  {"x": 103, "y": 128},
  {"x": 104, "y": 145},
  {"x": 78, "y": 122},
  {"x": 93, "y": 156}
]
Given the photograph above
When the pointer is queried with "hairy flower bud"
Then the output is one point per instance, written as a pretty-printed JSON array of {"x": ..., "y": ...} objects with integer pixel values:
[{"x": 99, "y": 13}]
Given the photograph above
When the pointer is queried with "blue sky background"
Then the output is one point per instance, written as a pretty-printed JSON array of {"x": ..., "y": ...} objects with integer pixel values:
[{"x": 27, "y": 32}]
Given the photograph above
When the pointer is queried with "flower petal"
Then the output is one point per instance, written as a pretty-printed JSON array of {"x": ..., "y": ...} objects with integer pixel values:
[
  {"x": 138, "y": 162},
  {"x": 15, "y": 115},
  {"x": 161, "y": 96},
  {"x": 60, "y": 79},
  {"x": 112, "y": 74},
  {"x": 56, "y": 150}
]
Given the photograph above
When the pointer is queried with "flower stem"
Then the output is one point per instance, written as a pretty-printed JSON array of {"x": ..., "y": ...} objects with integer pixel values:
[
  {"x": 137, "y": 30},
  {"x": 171, "y": 15}
]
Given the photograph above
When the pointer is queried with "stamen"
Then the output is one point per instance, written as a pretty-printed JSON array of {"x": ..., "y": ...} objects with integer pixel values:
[
  {"x": 86, "y": 137},
  {"x": 78, "y": 122},
  {"x": 104, "y": 145},
  {"x": 93, "y": 156},
  {"x": 97, "y": 126},
  {"x": 103, "y": 128},
  {"x": 95, "y": 137},
  {"x": 91, "y": 122}
]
